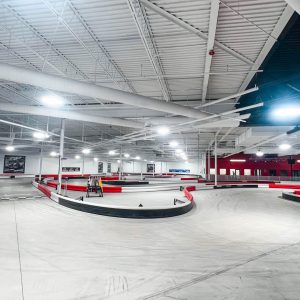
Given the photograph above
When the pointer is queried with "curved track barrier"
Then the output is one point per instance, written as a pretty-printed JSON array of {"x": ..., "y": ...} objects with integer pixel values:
[
  {"x": 122, "y": 211},
  {"x": 283, "y": 186},
  {"x": 234, "y": 186},
  {"x": 291, "y": 196}
]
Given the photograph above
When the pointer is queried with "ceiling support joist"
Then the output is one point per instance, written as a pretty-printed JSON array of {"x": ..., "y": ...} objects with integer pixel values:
[
  {"x": 213, "y": 20},
  {"x": 141, "y": 22},
  {"x": 41, "y": 111},
  {"x": 187, "y": 26},
  {"x": 71, "y": 86},
  {"x": 295, "y": 4}
]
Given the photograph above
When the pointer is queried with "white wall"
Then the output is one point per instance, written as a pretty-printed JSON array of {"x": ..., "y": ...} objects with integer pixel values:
[{"x": 50, "y": 165}]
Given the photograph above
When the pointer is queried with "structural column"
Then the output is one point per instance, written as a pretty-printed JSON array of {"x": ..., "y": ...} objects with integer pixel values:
[
  {"x": 216, "y": 161},
  {"x": 41, "y": 163},
  {"x": 61, "y": 154}
]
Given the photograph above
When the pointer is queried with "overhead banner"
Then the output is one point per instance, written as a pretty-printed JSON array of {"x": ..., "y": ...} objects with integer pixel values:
[
  {"x": 179, "y": 171},
  {"x": 14, "y": 164}
]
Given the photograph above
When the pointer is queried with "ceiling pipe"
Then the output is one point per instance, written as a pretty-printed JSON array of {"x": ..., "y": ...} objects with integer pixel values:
[
  {"x": 41, "y": 111},
  {"x": 71, "y": 86}
]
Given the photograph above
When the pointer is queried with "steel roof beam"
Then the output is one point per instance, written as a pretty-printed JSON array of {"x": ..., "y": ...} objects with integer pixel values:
[
  {"x": 187, "y": 26},
  {"x": 140, "y": 19},
  {"x": 295, "y": 4},
  {"x": 213, "y": 19}
]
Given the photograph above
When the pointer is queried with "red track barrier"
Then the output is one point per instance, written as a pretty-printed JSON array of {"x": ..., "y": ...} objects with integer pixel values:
[
  {"x": 283, "y": 186},
  {"x": 297, "y": 192},
  {"x": 44, "y": 189},
  {"x": 189, "y": 178},
  {"x": 187, "y": 192}
]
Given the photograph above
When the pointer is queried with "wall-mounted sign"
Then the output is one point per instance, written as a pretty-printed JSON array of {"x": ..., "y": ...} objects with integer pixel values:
[
  {"x": 14, "y": 164},
  {"x": 150, "y": 168},
  {"x": 179, "y": 171},
  {"x": 100, "y": 167},
  {"x": 71, "y": 169},
  {"x": 109, "y": 167}
]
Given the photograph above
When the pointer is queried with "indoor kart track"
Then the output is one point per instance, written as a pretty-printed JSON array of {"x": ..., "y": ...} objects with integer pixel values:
[{"x": 234, "y": 244}]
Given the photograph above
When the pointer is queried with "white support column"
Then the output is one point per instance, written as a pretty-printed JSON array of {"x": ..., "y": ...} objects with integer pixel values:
[
  {"x": 216, "y": 161},
  {"x": 208, "y": 165},
  {"x": 41, "y": 163},
  {"x": 61, "y": 154}
]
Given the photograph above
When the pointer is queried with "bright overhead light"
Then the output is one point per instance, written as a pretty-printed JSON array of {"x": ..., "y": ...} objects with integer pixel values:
[
  {"x": 86, "y": 151},
  {"x": 259, "y": 153},
  {"x": 287, "y": 112},
  {"x": 126, "y": 155},
  {"x": 40, "y": 135},
  {"x": 77, "y": 156},
  {"x": 111, "y": 152},
  {"x": 145, "y": 159},
  {"x": 163, "y": 130},
  {"x": 238, "y": 160},
  {"x": 95, "y": 158},
  {"x": 53, "y": 101},
  {"x": 10, "y": 148},
  {"x": 173, "y": 144},
  {"x": 138, "y": 157},
  {"x": 118, "y": 161},
  {"x": 284, "y": 147},
  {"x": 53, "y": 153}
]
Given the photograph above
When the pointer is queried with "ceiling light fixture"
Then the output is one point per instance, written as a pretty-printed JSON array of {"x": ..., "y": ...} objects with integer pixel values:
[
  {"x": 77, "y": 156},
  {"x": 10, "y": 148},
  {"x": 173, "y": 144},
  {"x": 288, "y": 112},
  {"x": 86, "y": 151},
  {"x": 53, "y": 101},
  {"x": 111, "y": 152},
  {"x": 259, "y": 153},
  {"x": 284, "y": 147},
  {"x": 163, "y": 130},
  {"x": 126, "y": 155},
  {"x": 40, "y": 135},
  {"x": 238, "y": 160},
  {"x": 53, "y": 153},
  {"x": 95, "y": 158},
  {"x": 138, "y": 157}
]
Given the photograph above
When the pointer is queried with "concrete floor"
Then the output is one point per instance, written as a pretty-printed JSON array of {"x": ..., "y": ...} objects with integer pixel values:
[{"x": 236, "y": 244}]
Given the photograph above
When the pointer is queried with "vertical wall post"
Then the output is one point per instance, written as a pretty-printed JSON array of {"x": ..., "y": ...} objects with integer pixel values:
[
  {"x": 61, "y": 154},
  {"x": 41, "y": 163},
  {"x": 216, "y": 161},
  {"x": 208, "y": 165}
]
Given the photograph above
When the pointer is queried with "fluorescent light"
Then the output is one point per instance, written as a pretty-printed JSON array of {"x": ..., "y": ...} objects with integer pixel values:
[
  {"x": 126, "y": 155},
  {"x": 77, "y": 156},
  {"x": 86, "y": 151},
  {"x": 40, "y": 135},
  {"x": 111, "y": 152},
  {"x": 145, "y": 159},
  {"x": 95, "y": 158},
  {"x": 163, "y": 130},
  {"x": 238, "y": 160},
  {"x": 118, "y": 161},
  {"x": 284, "y": 147},
  {"x": 137, "y": 157},
  {"x": 259, "y": 153},
  {"x": 173, "y": 144},
  {"x": 287, "y": 112},
  {"x": 53, "y": 153},
  {"x": 53, "y": 101},
  {"x": 10, "y": 148}
]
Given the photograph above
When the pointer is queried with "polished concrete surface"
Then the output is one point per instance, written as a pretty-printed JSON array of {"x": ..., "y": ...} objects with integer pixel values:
[{"x": 235, "y": 244}]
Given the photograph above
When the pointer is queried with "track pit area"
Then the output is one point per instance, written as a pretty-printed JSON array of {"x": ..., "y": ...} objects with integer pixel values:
[{"x": 234, "y": 244}]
